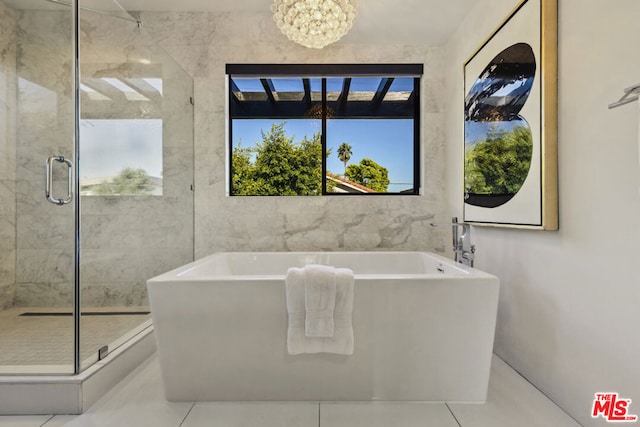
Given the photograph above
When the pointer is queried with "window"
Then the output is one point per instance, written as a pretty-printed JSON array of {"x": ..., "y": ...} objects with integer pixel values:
[
  {"x": 324, "y": 129},
  {"x": 121, "y": 157},
  {"x": 121, "y": 135}
]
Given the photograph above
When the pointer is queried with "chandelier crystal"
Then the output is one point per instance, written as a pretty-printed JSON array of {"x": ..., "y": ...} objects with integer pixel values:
[{"x": 314, "y": 23}]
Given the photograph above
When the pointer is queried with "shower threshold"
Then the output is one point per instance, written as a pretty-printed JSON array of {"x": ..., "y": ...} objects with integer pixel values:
[{"x": 72, "y": 394}]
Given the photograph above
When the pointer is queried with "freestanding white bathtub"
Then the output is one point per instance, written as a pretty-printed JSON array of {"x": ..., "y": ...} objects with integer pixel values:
[{"x": 423, "y": 329}]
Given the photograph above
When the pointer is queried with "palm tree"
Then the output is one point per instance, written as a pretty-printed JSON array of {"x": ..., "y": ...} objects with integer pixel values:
[{"x": 344, "y": 154}]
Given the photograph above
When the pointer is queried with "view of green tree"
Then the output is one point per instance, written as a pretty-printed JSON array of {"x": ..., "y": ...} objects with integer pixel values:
[
  {"x": 499, "y": 164},
  {"x": 128, "y": 182},
  {"x": 370, "y": 174},
  {"x": 278, "y": 166},
  {"x": 344, "y": 154}
]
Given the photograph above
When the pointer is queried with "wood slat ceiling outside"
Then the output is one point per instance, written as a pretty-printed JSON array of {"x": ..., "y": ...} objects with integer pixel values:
[{"x": 346, "y": 103}]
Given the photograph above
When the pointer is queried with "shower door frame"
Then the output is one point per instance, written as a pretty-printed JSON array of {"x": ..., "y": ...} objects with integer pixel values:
[{"x": 76, "y": 154}]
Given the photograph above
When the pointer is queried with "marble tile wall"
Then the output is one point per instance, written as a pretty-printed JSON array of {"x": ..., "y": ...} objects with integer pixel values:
[
  {"x": 124, "y": 239},
  {"x": 7, "y": 155},
  {"x": 127, "y": 239},
  {"x": 203, "y": 43},
  {"x": 45, "y": 117}
]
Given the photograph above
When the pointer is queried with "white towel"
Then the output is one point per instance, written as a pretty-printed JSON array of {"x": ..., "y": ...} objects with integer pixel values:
[
  {"x": 343, "y": 337},
  {"x": 342, "y": 340},
  {"x": 319, "y": 300}
]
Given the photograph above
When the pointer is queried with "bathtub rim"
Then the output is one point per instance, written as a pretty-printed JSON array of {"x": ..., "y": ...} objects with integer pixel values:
[{"x": 179, "y": 274}]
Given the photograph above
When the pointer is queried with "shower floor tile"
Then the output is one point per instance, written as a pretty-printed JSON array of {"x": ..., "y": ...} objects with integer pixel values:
[{"x": 38, "y": 339}]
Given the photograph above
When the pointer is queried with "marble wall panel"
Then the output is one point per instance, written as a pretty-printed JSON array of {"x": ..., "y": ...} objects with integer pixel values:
[
  {"x": 203, "y": 43},
  {"x": 117, "y": 232},
  {"x": 7, "y": 277},
  {"x": 177, "y": 173},
  {"x": 288, "y": 223},
  {"x": 44, "y": 118},
  {"x": 44, "y": 294},
  {"x": 7, "y": 155},
  {"x": 161, "y": 260},
  {"x": 110, "y": 265},
  {"x": 114, "y": 294},
  {"x": 8, "y": 133},
  {"x": 7, "y": 215},
  {"x": 111, "y": 232},
  {"x": 193, "y": 31},
  {"x": 44, "y": 266},
  {"x": 45, "y": 231},
  {"x": 172, "y": 231}
]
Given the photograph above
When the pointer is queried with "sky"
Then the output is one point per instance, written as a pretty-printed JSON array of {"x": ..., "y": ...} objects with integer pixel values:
[{"x": 388, "y": 142}]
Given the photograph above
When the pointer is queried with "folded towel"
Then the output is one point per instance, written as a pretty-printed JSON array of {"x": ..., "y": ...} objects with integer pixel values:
[
  {"x": 319, "y": 300},
  {"x": 294, "y": 284},
  {"x": 342, "y": 340}
]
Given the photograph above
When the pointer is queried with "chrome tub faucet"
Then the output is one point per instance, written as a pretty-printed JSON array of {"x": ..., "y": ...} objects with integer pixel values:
[{"x": 463, "y": 250}]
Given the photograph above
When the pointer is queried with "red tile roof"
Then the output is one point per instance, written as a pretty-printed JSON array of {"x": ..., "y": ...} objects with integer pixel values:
[{"x": 358, "y": 187}]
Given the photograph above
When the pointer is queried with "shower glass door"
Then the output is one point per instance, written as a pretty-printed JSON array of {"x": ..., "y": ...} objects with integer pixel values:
[
  {"x": 37, "y": 214},
  {"x": 136, "y": 174},
  {"x": 84, "y": 225}
]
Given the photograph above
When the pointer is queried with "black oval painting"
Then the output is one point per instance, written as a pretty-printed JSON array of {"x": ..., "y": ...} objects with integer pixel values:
[{"x": 498, "y": 141}]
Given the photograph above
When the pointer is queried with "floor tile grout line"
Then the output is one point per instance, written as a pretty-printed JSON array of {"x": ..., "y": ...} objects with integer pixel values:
[
  {"x": 452, "y": 414},
  {"x": 46, "y": 422},
  {"x": 187, "y": 414},
  {"x": 536, "y": 387}
]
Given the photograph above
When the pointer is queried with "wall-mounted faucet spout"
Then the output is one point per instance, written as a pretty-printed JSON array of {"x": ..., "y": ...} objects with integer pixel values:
[{"x": 463, "y": 250}]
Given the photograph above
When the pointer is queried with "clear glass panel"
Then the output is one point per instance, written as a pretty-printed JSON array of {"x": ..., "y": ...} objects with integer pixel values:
[
  {"x": 334, "y": 88},
  {"x": 248, "y": 89},
  {"x": 36, "y": 237},
  {"x": 400, "y": 90},
  {"x": 277, "y": 157},
  {"x": 370, "y": 136},
  {"x": 363, "y": 89},
  {"x": 111, "y": 8},
  {"x": 121, "y": 157},
  {"x": 288, "y": 89},
  {"x": 136, "y": 173},
  {"x": 380, "y": 154},
  {"x": 316, "y": 89}
]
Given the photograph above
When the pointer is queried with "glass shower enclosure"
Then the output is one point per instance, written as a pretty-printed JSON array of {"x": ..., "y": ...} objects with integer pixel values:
[{"x": 96, "y": 174}]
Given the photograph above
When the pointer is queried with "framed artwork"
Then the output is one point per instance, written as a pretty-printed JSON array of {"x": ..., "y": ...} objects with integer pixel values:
[{"x": 510, "y": 127}]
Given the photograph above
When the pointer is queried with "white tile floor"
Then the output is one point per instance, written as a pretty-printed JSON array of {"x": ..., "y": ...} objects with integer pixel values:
[{"x": 138, "y": 401}]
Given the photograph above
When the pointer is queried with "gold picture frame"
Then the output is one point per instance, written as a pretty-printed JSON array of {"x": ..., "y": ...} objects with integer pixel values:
[{"x": 511, "y": 122}]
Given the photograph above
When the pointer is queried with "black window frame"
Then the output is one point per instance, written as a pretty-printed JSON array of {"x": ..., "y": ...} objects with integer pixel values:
[{"x": 324, "y": 71}]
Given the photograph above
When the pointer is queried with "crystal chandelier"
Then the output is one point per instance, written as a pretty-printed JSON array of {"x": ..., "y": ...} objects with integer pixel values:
[{"x": 314, "y": 23}]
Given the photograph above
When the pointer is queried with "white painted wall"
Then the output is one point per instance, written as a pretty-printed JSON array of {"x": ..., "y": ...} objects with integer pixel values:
[{"x": 569, "y": 311}]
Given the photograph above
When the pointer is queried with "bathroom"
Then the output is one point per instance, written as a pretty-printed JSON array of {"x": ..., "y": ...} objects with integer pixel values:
[{"x": 567, "y": 312}]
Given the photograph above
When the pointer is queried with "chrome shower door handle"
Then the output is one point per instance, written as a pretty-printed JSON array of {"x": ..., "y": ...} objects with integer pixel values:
[{"x": 49, "y": 180}]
